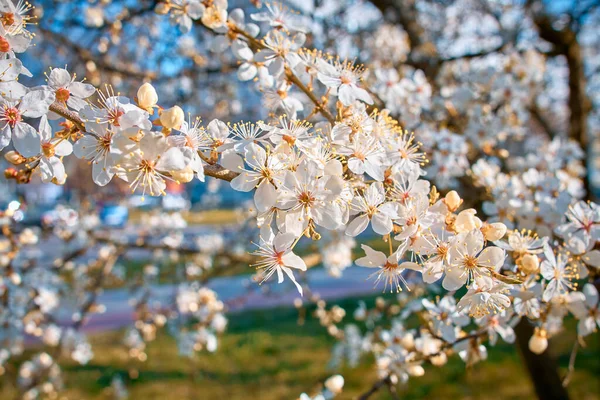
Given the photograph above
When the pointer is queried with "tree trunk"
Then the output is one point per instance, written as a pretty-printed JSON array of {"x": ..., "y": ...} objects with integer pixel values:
[
  {"x": 542, "y": 368},
  {"x": 578, "y": 104}
]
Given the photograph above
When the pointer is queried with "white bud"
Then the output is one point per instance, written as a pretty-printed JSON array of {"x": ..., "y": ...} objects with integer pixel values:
[
  {"x": 183, "y": 176},
  {"x": 529, "y": 264},
  {"x": 14, "y": 158},
  {"x": 214, "y": 17},
  {"x": 408, "y": 341},
  {"x": 466, "y": 221},
  {"x": 493, "y": 232},
  {"x": 539, "y": 341},
  {"x": 416, "y": 370},
  {"x": 162, "y": 8},
  {"x": 453, "y": 201},
  {"x": 147, "y": 97},
  {"x": 335, "y": 384},
  {"x": 172, "y": 118},
  {"x": 439, "y": 360}
]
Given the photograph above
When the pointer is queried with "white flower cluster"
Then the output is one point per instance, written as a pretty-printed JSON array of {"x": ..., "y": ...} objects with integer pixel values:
[{"x": 329, "y": 163}]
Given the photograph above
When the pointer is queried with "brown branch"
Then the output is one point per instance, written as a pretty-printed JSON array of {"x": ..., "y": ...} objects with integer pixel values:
[
  {"x": 86, "y": 55},
  {"x": 542, "y": 368},
  {"x": 292, "y": 78},
  {"x": 68, "y": 115},
  {"x": 218, "y": 172},
  {"x": 215, "y": 171},
  {"x": 565, "y": 43},
  {"x": 539, "y": 118},
  {"x": 375, "y": 388}
]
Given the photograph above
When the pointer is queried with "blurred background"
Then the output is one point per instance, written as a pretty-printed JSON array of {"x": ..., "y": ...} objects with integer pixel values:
[{"x": 274, "y": 346}]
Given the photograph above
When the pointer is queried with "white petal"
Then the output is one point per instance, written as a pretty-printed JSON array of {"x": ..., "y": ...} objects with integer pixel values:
[
  {"x": 357, "y": 226},
  {"x": 244, "y": 182},
  {"x": 372, "y": 259},
  {"x": 59, "y": 78},
  {"x": 492, "y": 257},
  {"x": 36, "y": 103},
  {"x": 101, "y": 175},
  {"x": 293, "y": 261},
  {"x": 26, "y": 140},
  {"x": 283, "y": 241},
  {"x": 455, "y": 279},
  {"x": 265, "y": 196},
  {"x": 381, "y": 223}
]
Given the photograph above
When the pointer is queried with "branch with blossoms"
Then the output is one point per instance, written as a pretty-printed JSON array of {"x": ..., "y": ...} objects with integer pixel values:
[{"x": 327, "y": 167}]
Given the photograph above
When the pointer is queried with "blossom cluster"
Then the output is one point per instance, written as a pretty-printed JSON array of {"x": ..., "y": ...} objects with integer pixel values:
[{"x": 333, "y": 162}]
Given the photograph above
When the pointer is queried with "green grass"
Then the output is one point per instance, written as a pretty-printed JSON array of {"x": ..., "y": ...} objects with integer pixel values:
[
  {"x": 208, "y": 217},
  {"x": 266, "y": 355}
]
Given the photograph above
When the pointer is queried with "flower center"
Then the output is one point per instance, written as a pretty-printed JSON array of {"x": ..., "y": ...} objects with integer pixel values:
[
  {"x": 470, "y": 262},
  {"x": 114, "y": 116},
  {"x": 146, "y": 166},
  {"x": 48, "y": 150},
  {"x": 8, "y": 19},
  {"x": 12, "y": 115},
  {"x": 4, "y": 45},
  {"x": 442, "y": 251},
  {"x": 306, "y": 199},
  {"x": 388, "y": 266},
  {"x": 63, "y": 95},
  {"x": 289, "y": 139},
  {"x": 359, "y": 155},
  {"x": 189, "y": 142},
  {"x": 557, "y": 274},
  {"x": 279, "y": 258},
  {"x": 105, "y": 142}
]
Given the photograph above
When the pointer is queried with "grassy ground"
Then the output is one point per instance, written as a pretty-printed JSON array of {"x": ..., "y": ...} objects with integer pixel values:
[
  {"x": 209, "y": 217},
  {"x": 266, "y": 355}
]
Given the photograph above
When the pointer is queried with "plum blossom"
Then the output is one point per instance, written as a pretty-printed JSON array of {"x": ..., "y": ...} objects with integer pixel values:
[
  {"x": 68, "y": 91},
  {"x": 150, "y": 164},
  {"x": 51, "y": 166},
  {"x": 485, "y": 296},
  {"x": 277, "y": 256},
  {"x": 342, "y": 78},
  {"x": 585, "y": 308},
  {"x": 469, "y": 260},
  {"x": 390, "y": 268},
  {"x": 265, "y": 174},
  {"x": 372, "y": 207},
  {"x": 557, "y": 271},
  {"x": 103, "y": 148},
  {"x": 24, "y": 136}
]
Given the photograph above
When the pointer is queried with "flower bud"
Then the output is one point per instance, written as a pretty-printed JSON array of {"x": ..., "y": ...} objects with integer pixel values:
[
  {"x": 147, "y": 97},
  {"x": 214, "y": 17},
  {"x": 183, "y": 176},
  {"x": 162, "y": 8},
  {"x": 10, "y": 173},
  {"x": 360, "y": 314},
  {"x": 14, "y": 158},
  {"x": 439, "y": 360},
  {"x": 416, "y": 370},
  {"x": 408, "y": 341},
  {"x": 539, "y": 341},
  {"x": 172, "y": 118},
  {"x": 529, "y": 264},
  {"x": 494, "y": 231},
  {"x": 452, "y": 201},
  {"x": 335, "y": 384},
  {"x": 466, "y": 221}
]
